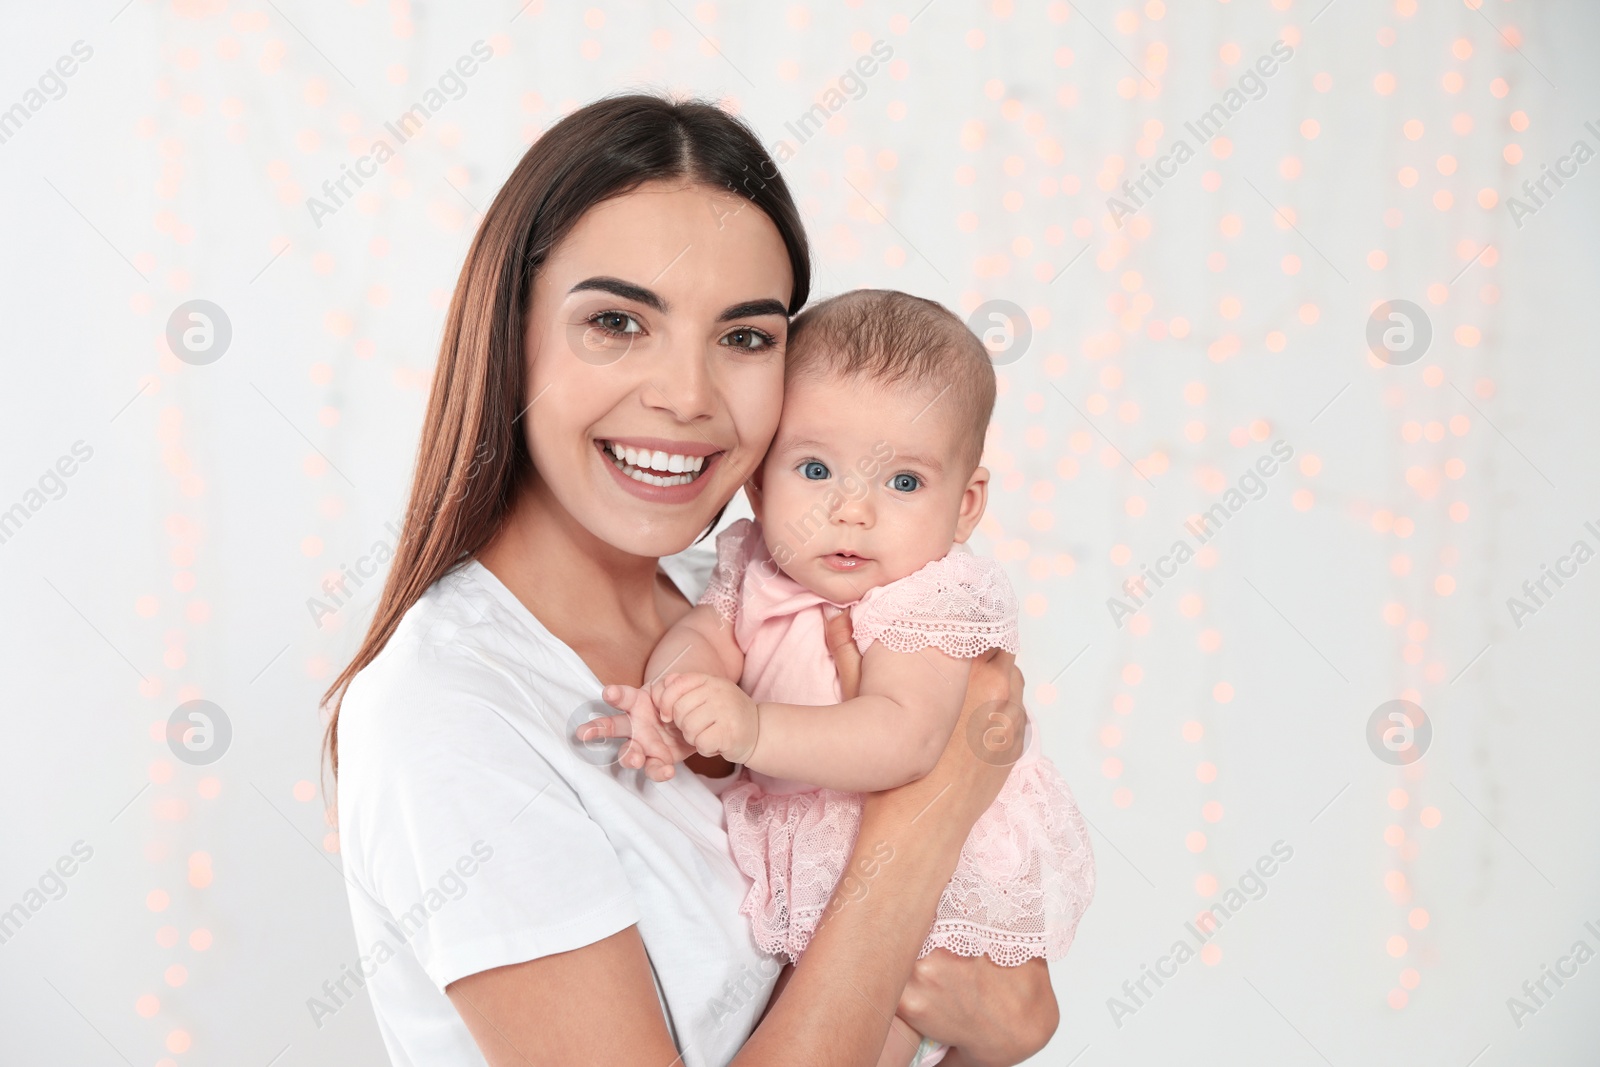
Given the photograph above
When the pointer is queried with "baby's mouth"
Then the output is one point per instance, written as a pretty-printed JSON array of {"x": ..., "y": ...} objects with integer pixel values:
[{"x": 656, "y": 468}]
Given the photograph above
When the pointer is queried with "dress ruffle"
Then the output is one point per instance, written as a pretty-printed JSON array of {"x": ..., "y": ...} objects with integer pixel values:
[
  {"x": 1025, "y": 876},
  {"x": 737, "y": 546},
  {"x": 961, "y": 604}
]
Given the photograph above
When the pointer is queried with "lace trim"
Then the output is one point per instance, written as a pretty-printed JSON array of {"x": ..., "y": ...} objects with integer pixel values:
[
  {"x": 963, "y": 605},
  {"x": 1025, "y": 877},
  {"x": 736, "y": 547}
]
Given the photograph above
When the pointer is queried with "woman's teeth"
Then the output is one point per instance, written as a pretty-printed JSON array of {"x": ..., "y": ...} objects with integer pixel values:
[{"x": 654, "y": 468}]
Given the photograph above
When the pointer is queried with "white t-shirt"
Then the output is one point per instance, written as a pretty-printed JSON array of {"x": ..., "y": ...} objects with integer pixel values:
[{"x": 476, "y": 832}]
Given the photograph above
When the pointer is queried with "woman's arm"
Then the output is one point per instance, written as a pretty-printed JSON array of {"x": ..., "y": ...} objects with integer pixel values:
[
  {"x": 836, "y": 1008},
  {"x": 543, "y": 1011},
  {"x": 992, "y": 1015}
]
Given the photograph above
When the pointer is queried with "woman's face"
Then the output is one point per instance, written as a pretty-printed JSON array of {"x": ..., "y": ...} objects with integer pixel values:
[{"x": 655, "y": 347}]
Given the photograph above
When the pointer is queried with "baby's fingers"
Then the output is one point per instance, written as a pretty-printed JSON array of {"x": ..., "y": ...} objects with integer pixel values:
[
  {"x": 659, "y": 770},
  {"x": 674, "y": 687},
  {"x": 605, "y": 728},
  {"x": 621, "y": 696},
  {"x": 633, "y": 755}
]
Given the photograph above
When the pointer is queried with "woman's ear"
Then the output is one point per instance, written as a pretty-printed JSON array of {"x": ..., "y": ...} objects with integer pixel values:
[{"x": 973, "y": 500}]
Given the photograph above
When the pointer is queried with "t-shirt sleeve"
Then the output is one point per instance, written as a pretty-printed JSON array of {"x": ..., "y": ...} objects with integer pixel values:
[
  {"x": 469, "y": 839},
  {"x": 962, "y": 605},
  {"x": 736, "y": 547}
]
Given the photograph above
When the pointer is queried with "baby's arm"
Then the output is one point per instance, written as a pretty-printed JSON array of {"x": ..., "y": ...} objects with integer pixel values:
[
  {"x": 699, "y": 643},
  {"x": 702, "y": 642},
  {"x": 891, "y": 734}
]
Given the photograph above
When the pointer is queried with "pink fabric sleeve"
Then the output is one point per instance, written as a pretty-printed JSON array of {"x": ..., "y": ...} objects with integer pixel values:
[
  {"x": 963, "y": 605},
  {"x": 736, "y": 547}
]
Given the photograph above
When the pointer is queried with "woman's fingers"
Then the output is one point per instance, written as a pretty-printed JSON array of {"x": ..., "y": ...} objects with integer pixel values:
[
  {"x": 846, "y": 656},
  {"x": 991, "y": 679}
]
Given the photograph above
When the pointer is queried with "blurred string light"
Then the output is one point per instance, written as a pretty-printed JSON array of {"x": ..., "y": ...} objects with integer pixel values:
[
  {"x": 1031, "y": 205},
  {"x": 1454, "y": 172}
]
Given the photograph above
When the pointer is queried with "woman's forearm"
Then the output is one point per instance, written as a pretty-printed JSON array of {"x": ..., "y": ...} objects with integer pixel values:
[{"x": 837, "y": 1006}]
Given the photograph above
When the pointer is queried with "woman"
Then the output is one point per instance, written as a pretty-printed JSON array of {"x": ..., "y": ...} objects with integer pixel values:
[{"x": 516, "y": 900}]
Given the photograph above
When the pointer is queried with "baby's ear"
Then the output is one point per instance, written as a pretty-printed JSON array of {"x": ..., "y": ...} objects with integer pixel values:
[{"x": 973, "y": 500}]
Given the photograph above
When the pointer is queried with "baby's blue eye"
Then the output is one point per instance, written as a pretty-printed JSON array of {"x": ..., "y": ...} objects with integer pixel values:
[
  {"x": 814, "y": 469},
  {"x": 905, "y": 483}
]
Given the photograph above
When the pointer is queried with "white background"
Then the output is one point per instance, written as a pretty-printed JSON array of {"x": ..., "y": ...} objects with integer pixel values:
[{"x": 1229, "y": 313}]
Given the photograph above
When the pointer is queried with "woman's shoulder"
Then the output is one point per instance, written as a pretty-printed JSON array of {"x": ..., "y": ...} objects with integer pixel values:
[{"x": 438, "y": 662}]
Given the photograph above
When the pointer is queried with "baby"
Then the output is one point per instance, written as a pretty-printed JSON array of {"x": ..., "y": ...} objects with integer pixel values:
[{"x": 866, "y": 499}]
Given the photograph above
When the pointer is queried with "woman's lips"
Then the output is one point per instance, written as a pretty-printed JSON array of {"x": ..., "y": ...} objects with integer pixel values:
[{"x": 660, "y": 486}]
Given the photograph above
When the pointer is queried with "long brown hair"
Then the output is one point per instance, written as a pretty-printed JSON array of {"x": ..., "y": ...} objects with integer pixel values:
[{"x": 472, "y": 457}]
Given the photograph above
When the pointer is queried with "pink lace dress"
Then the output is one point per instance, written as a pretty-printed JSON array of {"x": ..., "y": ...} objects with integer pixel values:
[{"x": 1026, "y": 872}]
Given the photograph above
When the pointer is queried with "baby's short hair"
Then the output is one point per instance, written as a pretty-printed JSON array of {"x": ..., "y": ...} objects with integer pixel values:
[{"x": 889, "y": 337}]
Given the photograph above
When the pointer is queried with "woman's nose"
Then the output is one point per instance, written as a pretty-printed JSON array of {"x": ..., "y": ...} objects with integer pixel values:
[{"x": 681, "y": 384}]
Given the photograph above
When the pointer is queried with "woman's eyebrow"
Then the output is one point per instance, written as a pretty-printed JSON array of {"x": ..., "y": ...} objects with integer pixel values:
[
  {"x": 650, "y": 299},
  {"x": 752, "y": 308},
  {"x": 626, "y": 290}
]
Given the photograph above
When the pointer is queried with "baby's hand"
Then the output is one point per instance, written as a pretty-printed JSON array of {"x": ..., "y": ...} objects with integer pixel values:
[
  {"x": 712, "y": 714},
  {"x": 654, "y": 745}
]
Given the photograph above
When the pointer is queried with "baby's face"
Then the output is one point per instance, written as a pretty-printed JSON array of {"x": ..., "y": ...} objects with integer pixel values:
[{"x": 864, "y": 485}]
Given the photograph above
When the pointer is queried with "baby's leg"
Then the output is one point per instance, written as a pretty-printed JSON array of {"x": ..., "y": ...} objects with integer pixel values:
[{"x": 906, "y": 1048}]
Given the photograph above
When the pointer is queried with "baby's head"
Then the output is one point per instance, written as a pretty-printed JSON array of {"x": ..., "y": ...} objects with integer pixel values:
[{"x": 874, "y": 470}]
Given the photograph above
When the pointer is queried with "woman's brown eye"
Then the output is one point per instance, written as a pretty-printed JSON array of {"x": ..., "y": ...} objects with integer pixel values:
[
  {"x": 746, "y": 339},
  {"x": 614, "y": 323}
]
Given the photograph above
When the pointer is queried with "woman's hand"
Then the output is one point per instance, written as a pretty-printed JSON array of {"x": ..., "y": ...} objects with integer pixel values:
[
  {"x": 840, "y": 636},
  {"x": 991, "y": 1014}
]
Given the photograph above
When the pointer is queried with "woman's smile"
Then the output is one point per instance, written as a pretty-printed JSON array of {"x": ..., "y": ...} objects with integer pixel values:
[{"x": 657, "y": 469}]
